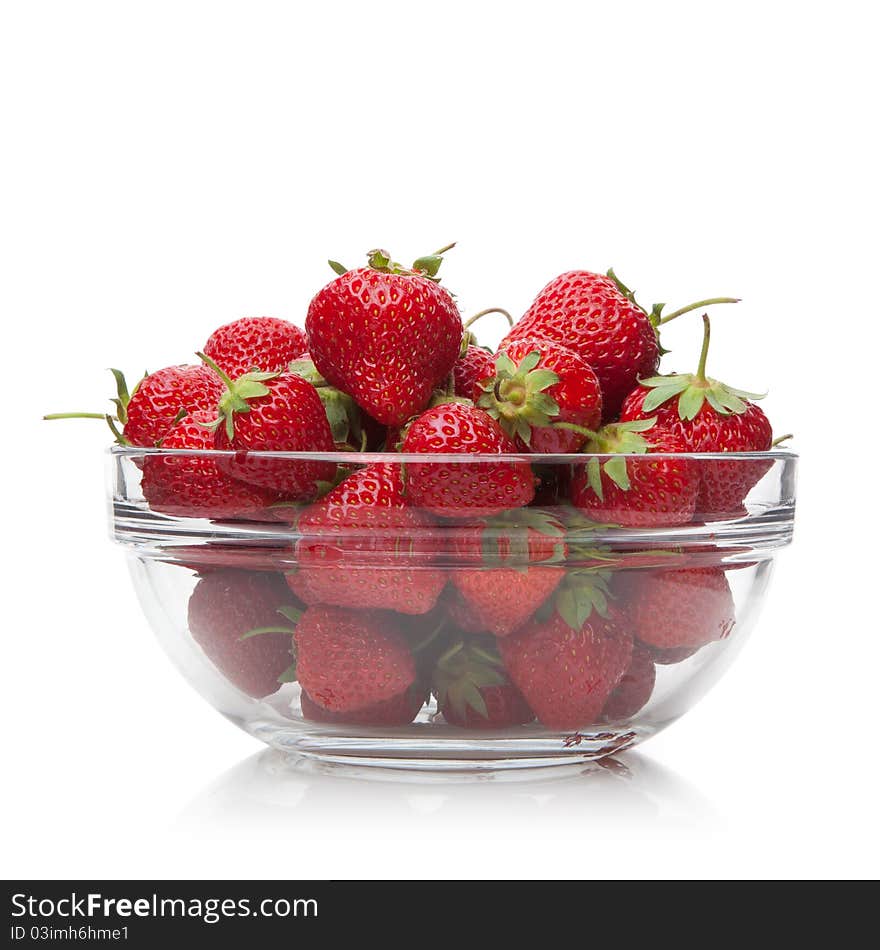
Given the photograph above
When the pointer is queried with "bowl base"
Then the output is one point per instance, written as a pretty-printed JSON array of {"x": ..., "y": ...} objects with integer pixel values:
[{"x": 413, "y": 750}]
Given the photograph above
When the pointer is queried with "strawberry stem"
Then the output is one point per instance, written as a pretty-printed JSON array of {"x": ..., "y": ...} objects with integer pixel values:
[
  {"x": 482, "y": 313},
  {"x": 259, "y": 631},
  {"x": 76, "y": 415},
  {"x": 572, "y": 427},
  {"x": 209, "y": 362},
  {"x": 417, "y": 647},
  {"x": 451, "y": 652},
  {"x": 482, "y": 654},
  {"x": 704, "y": 352},
  {"x": 443, "y": 250},
  {"x": 781, "y": 439},
  {"x": 696, "y": 306}
]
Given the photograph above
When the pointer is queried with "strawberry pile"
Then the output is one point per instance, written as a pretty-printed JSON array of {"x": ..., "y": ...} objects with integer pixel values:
[{"x": 478, "y": 581}]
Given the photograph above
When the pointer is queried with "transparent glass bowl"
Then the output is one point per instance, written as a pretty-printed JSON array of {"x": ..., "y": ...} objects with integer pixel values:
[{"x": 609, "y": 632}]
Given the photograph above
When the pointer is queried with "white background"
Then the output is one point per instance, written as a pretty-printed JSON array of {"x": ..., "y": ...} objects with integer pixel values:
[{"x": 168, "y": 167}]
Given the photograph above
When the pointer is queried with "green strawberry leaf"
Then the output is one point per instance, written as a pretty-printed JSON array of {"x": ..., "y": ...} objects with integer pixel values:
[
  {"x": 429, "y": 265},
  {"x": 289, "y": 675},
  {"x": 293, "y": 614},
  {"x": 594, "y": 478},
  {"x": 690, "y": 402},
  {"x": 615, "y": 469}
]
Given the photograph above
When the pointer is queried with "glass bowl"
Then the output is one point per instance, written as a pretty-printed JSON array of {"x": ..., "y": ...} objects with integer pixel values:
[{"x": 453, "y": 635}]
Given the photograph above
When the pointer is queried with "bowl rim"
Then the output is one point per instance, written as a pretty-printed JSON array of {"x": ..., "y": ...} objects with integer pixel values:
[{"x": 372, "y": 458}]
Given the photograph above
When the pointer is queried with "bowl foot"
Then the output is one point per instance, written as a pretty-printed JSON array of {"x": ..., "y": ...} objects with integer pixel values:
[{"x": 413, "y": 750}]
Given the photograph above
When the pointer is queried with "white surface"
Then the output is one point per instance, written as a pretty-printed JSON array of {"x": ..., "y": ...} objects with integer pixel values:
[{"x": 171, "y": 167}]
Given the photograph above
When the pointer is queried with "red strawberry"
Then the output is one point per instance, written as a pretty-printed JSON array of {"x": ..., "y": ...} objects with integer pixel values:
[
  {"x": 363, "y": 546},
  {"x": 343, "y": 414},
  {"x": 517, "y": 572},
  {"x": 636, "y": 492},
  {"x": 255, "y": 343},
  {"x": 709, "y": 417},
  {"x": 273, "y": 412},
  {"x": 464, "y": 489},
  {"x": 194, "y": 486},
  {"x": 474, "y": 692},
  {"x": 349, "y": 660},
  {"x": 386, "y": 335},
  {"x": 676, "y": 609},
  {"x": 156, "y": 403},
  {"x": 226, "y": 605},
  {"x": 400, "y": 710},
  {"x": 565, "y": 674},
  {"x": 470, "y": 369},
  {"x": 589, "y": 314},
  {"x": 500, "y": 600},
  {"x": 634, "y": 689},
  {"x": 538, "y": 383},
  {"x": 597, "y": 316}
]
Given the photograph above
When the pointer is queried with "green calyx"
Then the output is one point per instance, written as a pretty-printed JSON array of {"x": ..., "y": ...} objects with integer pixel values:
[
  {"x": 381, "y": 261},
  {"x": 583, "y": 591},
  {"x": 238, "y": 393},
  {"x": 120, "y": 401},
  {"x": 505, "y": 539},
  {"x": 693, "y": 389},
  {"x": 443, "y": 397},
  {"x": 291, "y": 614},
  {"x": 516, "y": 396},
  {"x": 618, "y": 439},
  {"x": 342, "y": 411},
  {"x": 655, "y": 314},
  {"x": 462, "y": 672}
]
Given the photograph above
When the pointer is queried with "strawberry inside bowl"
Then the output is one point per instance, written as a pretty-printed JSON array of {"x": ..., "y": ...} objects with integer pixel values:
[{"x": 430, "y": 610}]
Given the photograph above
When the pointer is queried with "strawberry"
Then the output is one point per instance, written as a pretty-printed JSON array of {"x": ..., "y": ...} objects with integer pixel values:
[
  {"x": 400, "y": 710},
  {"x": 679, "y": 609},
  {"x": 590, "y": 315},
  {"x": 255, "y": 343},
  {"x": 536, "y": 384},
  {"x": 273, "y": 412},
  {"x": 709, "y": 416},
  {"x": 385, "y": 334},
  {"x": 598, "y": 318},
  {"x": 343, "y": 414},
  {"x": 464, "y": 489},
  {"x": 471, "y": 368},
  {"x": 155, "y": 403},
  {"x": 636, "y": 492},
  {"x": 195, "y": 486},
  {"x": 634, "y": 689},
  {"x": 363, "y": 546},
  {"x": 351, "y": 660},
  {"x": 517, "y": 556},
  {"x": 566, "y": 673},
  {"x": 227, "y": 605},
  {"x": 474, "y": 692}
]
